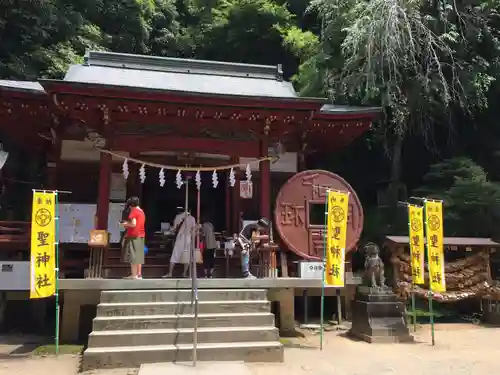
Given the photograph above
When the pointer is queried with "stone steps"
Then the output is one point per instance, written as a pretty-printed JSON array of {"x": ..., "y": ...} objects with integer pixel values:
[
  {"x": 182, "y": 295},
  {"x": 184, "y": 307},
  {"x": 102, "y": 323},
  {"x": 176, "y": 336},
  {"x": 131, "y": 356},
  {"x": 133, "y": 327}
]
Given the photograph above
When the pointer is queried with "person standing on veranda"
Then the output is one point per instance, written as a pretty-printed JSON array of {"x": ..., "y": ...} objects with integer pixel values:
[
  {"x": 246, "y": 240},
  {"x": 210, "y": 245},
  {"x": 185, "y": 227},
  {"x": 134, "y": 240}
]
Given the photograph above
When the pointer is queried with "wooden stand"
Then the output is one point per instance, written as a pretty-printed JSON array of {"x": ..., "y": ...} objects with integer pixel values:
[
  {"x": 98, "y": 243},
  {"x": 267, "y": 260},
  {"x": 266, "y": 250},
  {"x": 96, "y": 263}
]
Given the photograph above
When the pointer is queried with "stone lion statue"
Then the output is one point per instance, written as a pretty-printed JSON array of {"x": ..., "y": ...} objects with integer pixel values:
[{"x": 374, "y": 267}]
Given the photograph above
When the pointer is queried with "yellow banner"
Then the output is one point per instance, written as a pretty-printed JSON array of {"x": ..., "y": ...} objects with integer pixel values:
[
  {"x": 417, "y": 251},
  {"x": 435, "y": 250},
  {"x": 43, "y": 237},
  {"x": 336, "y": 234}
]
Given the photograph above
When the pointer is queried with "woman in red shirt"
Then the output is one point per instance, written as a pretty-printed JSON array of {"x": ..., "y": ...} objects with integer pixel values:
[{"x": 133, "y": 242}]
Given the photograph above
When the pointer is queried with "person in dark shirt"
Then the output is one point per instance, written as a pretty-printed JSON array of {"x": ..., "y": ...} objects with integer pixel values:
[
  {"x": 246, "y": 241},
  {"x": 125, "y": 215},
  {"x": 209, "y": 246}
]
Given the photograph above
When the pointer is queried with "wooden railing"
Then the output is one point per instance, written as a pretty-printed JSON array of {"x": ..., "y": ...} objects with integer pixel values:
[{"x": 14, "y": 232}]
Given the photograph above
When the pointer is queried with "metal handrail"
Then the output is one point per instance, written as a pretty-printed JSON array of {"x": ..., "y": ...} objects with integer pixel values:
[
  {"x": 194, "y": 278},
  {"x": 194, "y": 297}
]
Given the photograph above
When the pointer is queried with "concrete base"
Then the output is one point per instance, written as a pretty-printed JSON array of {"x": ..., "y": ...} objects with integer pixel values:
[
  {"x": 135, "y": 356},
  {"x": 182, "y": 336},
  {"x": 79, "y": 292},
  {"x": 205, "y": 368},
  {"x": 378, "y": 316}
]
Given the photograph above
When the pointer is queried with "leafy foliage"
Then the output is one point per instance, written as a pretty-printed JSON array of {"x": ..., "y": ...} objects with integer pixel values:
[
  {"x": 396, "y": 53},
  {"x": 35, "y": 33},
  {"x": 431, "y": 65},
  {"x": 41, "y": 38},
  {"x": 471, "y": 202}
]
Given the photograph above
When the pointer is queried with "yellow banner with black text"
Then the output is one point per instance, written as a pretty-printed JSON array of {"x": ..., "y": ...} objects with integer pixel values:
[
  {"x": 435, "y": 250},
  {"x": 417, "y": 251},
  {"x": 336, "y": 238},
  {"x": 43, "y": 238}
]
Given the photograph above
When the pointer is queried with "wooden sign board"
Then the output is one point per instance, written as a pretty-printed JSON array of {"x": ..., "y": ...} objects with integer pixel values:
[
  {"x": 98, "y": 238},
  {"x": 246, "y": 189}
]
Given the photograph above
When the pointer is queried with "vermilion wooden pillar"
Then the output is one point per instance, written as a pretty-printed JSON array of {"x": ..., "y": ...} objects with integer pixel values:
[
  {"x": 235, "y": 198},
  {"x": 53, "y": 158},
  {"x": 265, "y": 180},
  {"x": 265, "y": 192},
  {"x": 105, "y": 165}
]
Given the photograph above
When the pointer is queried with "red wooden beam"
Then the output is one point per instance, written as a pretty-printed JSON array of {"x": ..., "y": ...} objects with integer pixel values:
[
  {"x": 143, "y": 143},
  {"x": 89, "y": 109},
  {"x": 40, "y": 96}
]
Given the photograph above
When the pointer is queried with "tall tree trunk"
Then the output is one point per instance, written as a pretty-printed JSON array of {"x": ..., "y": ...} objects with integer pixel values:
[{"x": 396, "y": 161}]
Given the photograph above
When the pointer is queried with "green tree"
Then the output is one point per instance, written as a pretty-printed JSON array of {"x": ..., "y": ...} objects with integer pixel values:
[
  {"x": 250, "y": 31},
  {"x": 421, "y": 62},
  {"x": 471, "y": 202},
  {"x": 36, "y": 37},
  {"x": 131, "y": 26},
  {"x": 41, "y": 38}
]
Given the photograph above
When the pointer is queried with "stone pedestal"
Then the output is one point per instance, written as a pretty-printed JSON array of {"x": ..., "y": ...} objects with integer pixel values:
[{"x": 378, "y": 316}]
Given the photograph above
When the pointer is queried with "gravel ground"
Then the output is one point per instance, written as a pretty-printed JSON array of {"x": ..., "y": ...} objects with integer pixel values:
[{"x": 460, "y": 349}]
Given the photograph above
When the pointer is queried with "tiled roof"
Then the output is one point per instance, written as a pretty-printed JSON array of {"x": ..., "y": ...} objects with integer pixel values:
[
  {"x": 186, "y": 75},
  {"x": 29, "y": 86}
]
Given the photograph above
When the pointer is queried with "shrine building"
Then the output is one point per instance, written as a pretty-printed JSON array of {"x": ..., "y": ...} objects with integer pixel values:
[{"x": 180, "y": 113}]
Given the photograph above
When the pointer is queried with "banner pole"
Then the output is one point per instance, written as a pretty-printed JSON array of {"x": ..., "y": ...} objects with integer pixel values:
[
  {"x": 56, "y": 245},
  {"x": 339, "y": 307},
  {"x": 431, "y": 310},
  {"x": 321, "y": 338},
  {"x": 413, "y": 312}
]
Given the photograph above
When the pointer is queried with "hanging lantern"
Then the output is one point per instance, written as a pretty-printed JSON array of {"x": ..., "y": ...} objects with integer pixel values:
[
  {"x": 142, "y": 173},
  {"x": 178, "y": 179},
  {"x": 248, "y": 173},
  {"x": 197, "y": 179},
  {"x": 215, "y": 179},
  {"x": 126, "y": 172},
  {"x": 232, "y": 178},
  {"x": 161, "y": 177}
]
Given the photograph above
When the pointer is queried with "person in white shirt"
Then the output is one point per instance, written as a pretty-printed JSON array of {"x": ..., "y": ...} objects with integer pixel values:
[{"x": 185, "y": 227}]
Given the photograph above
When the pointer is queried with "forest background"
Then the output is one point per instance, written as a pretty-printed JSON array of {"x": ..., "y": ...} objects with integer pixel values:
[{"x": 433, "y": 66}]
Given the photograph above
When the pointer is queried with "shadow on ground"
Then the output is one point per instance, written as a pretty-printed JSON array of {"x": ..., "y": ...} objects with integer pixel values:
[
  {"x": 298, "y": 343},
  {"x": 353, "y": 338},
  {"x": 18, "y": 351},
  {"x": 20, "y": 346}
]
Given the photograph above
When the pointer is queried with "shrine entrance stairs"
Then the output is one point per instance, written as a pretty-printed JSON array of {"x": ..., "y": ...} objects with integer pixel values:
[{"x": 133, "y": 327}]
